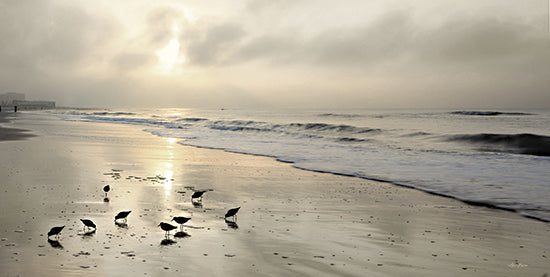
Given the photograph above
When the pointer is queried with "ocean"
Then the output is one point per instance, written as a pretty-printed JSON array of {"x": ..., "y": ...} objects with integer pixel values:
[{"x": 498, "y": 159}]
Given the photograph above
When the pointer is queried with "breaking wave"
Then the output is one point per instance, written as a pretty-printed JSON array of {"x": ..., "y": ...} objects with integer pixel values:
[
  {"x": 332, "y": 127},
  {"x": 488, "y": 113},
  {"x": 528, "y": 144},
  {"x": 112, "y": 113},
  {"x": 340, "y": 115}
]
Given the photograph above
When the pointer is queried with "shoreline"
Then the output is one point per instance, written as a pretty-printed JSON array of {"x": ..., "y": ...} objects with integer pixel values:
[
  {"x": 292, "y": 222},
  {"x": 465, "y": 201},
  {"x": 468, "y": 202}
]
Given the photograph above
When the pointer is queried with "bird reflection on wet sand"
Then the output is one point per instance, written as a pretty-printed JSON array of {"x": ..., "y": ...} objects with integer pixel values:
[
  {"x": 232, "y": 224},
  {"x": 88, "y": 233},
  {"x": 181, "y": 234},
  {"x": 106, "y": 200},
  {"x": 55, "y": 244},
  {"x": 197, "y": 204},
  {"x": 121, "y": 224},
  {"x": 167, "y": 242}
]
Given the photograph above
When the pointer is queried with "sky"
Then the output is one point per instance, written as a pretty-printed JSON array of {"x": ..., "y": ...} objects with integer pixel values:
[{"x": 483, "y": 54}]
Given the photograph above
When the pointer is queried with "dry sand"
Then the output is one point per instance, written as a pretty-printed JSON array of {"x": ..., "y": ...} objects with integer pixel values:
[{"x": 292, "y": 222}]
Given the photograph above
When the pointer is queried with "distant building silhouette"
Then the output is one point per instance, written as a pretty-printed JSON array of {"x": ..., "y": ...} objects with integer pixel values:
[
  {"x": 13, "y": 99},
  {"x": 7, "y": 99},
  {"x": 33, "y": 105}
]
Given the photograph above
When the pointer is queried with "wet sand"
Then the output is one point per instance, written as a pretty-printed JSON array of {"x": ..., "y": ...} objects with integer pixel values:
[
  {"x": 291, "y": 223},
  {"x": 11, "y": 133}
]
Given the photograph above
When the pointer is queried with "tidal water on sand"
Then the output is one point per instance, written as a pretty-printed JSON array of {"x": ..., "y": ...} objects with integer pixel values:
[{"x": 493, "y": 158}]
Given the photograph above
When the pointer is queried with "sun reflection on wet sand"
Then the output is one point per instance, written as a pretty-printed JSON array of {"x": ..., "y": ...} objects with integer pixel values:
[
  {"x": 168, "y": 182},
  {"x": 169, "y": 173},
  {"x": 171, "y": 141}
]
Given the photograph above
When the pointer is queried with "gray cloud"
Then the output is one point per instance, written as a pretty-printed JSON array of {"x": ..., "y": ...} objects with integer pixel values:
[
  {"x": 272, "y": 48},
  {"x": 45, "y": 41},
  {"x": 212, "y": 43},
  {"x": 39, "y": 33},
  {"x": 383, "y": 40},
  {"x": 480, "y": 39},
  {"x": 160, "y": 25},
  {"x": 391, "y": 38},
  {"x": 132, "y": 61}
]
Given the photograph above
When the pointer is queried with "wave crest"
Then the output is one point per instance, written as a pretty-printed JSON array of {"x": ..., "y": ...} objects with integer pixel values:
[
  {"x": 340, "y": 115},
  {"x": 528, "y": 144},
  {"x": 332, "y": 127},
  {"x": 488, "y": 113}
]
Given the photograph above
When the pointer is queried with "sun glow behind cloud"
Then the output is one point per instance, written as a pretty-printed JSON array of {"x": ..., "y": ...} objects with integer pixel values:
[{"x": 169, "y": 57}]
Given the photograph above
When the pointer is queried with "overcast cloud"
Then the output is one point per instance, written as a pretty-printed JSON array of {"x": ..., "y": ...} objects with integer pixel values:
[{"x": 313, "y": 54}]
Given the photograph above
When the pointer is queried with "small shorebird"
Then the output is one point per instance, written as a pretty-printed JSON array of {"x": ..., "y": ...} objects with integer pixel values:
[
  {"x": 55, "y": 231},
  {"x": 167, "y": 227},
  {"x": 106, "y": 189},
  {"x": 88, "y": 223},
  {"x": 122, "y": 215},
  {"x": 181, "y": 220},
  {"x": 198, "y": 194},
  {"x": 232, "y": 212}
]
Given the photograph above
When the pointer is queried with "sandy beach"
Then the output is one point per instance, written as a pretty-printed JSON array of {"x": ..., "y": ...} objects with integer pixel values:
[{"x": 291, "y": 222}]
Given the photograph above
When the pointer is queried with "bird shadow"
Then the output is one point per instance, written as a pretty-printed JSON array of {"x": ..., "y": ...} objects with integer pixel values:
[
  {"x": 55, "y": 244},
  {"x": 181, "y": 234},
  {"x": 231, "y": 224},
  {"x": 197, "y": 204},
  {"x": 121, "y": 224},
  {"x": 167, "y": 241}
]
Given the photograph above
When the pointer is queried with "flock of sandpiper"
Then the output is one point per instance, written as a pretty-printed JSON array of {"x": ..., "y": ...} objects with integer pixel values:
[{"x": 167, "y": 227}]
